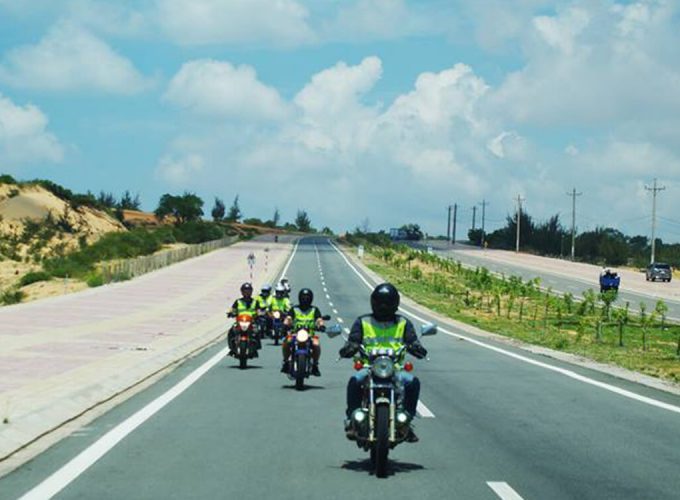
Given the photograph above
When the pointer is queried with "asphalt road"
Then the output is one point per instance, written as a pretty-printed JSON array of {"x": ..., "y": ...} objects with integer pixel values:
[
  {"x": 557, "y": 282},
  {"x": 502, "y": 423}
]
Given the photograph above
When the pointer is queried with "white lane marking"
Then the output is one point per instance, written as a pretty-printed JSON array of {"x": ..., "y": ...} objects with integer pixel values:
[
  {"x": 504, "y": 490},
  {"x": 328, "y": 296},
  {"x": 340, "y": 320},
  {"x": 330, "y": 304},
  {"x": 74, "y": 468},
  {"x": 290, "y": 259},
  {"x": 346, "y": 330},
  {"x": 335, "y": 311},
  {"x": 325, "y": 289},
  {"x": 563, "y": 371},
  {"x": 423, "y": 410}
]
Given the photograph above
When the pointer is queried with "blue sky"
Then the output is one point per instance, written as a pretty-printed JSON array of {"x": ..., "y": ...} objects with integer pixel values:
[{"x": 385, "y": 110}]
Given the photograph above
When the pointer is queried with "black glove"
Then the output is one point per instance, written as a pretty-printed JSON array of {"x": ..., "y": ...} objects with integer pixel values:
[
  {"x": 231, "y": 314},
  {"x": 416, "y": 349},
  {"x": 349, "y": 350}
]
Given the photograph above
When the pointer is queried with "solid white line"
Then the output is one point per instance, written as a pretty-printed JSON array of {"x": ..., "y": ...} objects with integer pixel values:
[
  {"x": 563, "y": 371},
  {"x": 290, "y": 259},
  {"x": 423, "y": 410},
  {"x": 69, "y": 472},
  {"x": 504, "y": 490}
]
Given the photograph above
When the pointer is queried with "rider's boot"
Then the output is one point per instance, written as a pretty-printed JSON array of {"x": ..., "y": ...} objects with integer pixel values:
[
  {"x": 315, "y": 370},
  {"x": 285, "y": 368}
]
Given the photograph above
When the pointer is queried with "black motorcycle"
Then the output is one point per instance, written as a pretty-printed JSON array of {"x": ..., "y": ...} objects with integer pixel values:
[
  {"x": 382, "y": 423},
  {"x": 301, "y": 352},
  {"x": 277, "y": 326}
]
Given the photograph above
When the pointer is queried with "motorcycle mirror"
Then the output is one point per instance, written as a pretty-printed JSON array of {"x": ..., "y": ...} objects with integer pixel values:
[
  {"x": 333, "y": 331},
  {"x": 325, "y": 317},
  {"x": 428, "y": 329}
]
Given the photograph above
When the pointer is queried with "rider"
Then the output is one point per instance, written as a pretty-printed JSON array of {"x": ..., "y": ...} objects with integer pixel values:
[
  {"x": 384, "y": 328},
  {"x": 279, "y": 301},
  {"x": 246, "y": 304},
  {"x": 304, "y": 315},
  {"x": 286, "y": 286},
  {"x": 264, "y": 301}
]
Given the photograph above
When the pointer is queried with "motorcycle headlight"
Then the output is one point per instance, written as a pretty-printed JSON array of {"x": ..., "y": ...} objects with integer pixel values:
[
  {"x": 244, "y": 325},
  {"x": 383, "y": 367}
]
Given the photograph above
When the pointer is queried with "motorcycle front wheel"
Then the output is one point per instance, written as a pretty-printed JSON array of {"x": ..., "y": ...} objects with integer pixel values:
[
  {"x": 300, "y": 372},
  {"x": 381, "y": 447}
]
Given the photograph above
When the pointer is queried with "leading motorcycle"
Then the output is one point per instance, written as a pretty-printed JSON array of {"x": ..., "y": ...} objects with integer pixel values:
[{"x": 381, "y": 423}]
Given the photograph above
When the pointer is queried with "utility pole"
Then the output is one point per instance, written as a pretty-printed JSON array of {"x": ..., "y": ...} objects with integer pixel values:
[
  {"x": 484, "y": 203},
  {"x": 654, "y": 190},
  {"x": 455, "y": 219},
  {"x": 573, "y": 195},
  {"x": 519, "y": 214},
  {"x": 474, "y": 216},
  {"x": 448, "y": 226}
]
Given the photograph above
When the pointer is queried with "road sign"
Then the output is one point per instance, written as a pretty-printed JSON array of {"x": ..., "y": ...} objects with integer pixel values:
[{"x": 360, "y": 251}]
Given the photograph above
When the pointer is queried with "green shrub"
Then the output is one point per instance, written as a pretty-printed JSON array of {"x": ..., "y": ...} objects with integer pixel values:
[
  {"x": 7, "y": 179},
  {"x": 34, "y": 277},
  {"x": 13, "y": 193},
  {"x": 198, "y": 232},
  {"x": 94, "y": 280},
  {"x": 12, "y": 296}
]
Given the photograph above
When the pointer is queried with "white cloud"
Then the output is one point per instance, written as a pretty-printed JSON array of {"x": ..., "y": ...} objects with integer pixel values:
[
  {"x": 217, "y": 88},
  {"x": 23, "y": 135},
  {"x": 70, "y": 58},
  {"x": 179, "y": 170},
  {"x": 198, "y": 22}
]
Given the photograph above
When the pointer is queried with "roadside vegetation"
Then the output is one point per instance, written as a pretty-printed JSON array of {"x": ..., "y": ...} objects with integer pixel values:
[
  {"x": 61, "y": 245},
  {"x": 603, "y": 245},
  {"x": 596, "y": 326}
]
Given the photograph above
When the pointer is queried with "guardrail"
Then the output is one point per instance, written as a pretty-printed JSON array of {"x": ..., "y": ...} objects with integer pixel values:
[{"x": 130, "y": 268}]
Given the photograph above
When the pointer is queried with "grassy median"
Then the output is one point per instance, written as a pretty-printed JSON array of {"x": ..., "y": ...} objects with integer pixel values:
[{"x": 596, "y": 326}]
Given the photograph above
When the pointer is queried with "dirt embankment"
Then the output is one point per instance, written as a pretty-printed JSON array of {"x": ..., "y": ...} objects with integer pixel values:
[{"x": 35, "y": 224}]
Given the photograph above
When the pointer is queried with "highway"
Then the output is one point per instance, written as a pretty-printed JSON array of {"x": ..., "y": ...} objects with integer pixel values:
[
  {"x": 496, "y": 422},
  {"x": 557, "y": 282}
]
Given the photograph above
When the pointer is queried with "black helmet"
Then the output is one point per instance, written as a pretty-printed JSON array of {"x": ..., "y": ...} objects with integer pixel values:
[
  {"x": 306, "y": 296},
  {"x": 246, "y": 288},
  {"x": 385, "y": 301}
]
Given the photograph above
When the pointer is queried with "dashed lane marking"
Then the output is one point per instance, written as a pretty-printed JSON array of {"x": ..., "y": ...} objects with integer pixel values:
[
  {"x": 503, "y": 490},
  {"x": 563, "y": 371},
  {"x": 423, "y": 410}
]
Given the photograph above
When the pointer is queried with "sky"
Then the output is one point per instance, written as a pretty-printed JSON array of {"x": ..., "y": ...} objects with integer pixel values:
[{"x": 362, "y": 112}]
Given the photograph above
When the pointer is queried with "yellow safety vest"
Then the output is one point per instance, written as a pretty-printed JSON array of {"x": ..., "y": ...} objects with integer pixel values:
[
  {"x": 378, "y": 336},
  {"x": 305, "y": 320}
]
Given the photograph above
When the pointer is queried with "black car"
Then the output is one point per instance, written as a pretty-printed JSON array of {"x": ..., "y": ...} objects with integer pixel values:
[{"x": 659, "y": 271}]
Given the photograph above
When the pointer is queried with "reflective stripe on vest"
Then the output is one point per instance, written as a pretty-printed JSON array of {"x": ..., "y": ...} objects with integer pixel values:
[
  {"x": 280, "y": 304},
  {"x": 378, "y": 336},
  {"x": 242, "y": 307},
  {"x": 304, "y": 319}
]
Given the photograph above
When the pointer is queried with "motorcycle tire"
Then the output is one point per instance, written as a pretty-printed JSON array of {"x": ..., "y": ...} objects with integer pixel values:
[
  {"x": 300, "y": 372},
  {"x": 382, "y": 439},
  {"x": 243, "y": 357}
]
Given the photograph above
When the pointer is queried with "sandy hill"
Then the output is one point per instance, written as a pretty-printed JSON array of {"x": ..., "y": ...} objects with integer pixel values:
[{"x": 35, "y": 222}]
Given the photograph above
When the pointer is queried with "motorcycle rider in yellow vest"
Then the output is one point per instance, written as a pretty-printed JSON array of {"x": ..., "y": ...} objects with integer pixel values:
[
  {"x": 304, "y": 315},
  {"x": 279, "y": 301},
  {"x": 384, "y": 328},
  {"x": 246, "y": 304}
]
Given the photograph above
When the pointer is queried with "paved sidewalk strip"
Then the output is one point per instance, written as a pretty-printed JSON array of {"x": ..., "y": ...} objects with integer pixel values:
[{"x": 62, "y": 356}]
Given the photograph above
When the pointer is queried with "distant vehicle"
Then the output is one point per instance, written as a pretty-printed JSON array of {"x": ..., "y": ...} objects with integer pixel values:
[
  {"x": 609, "y": 280},
  {"x": 659, "y": 271}
]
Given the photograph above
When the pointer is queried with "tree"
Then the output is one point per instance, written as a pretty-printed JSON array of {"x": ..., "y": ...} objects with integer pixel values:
[
  {"x": 475, "y": 236},
  {"x": 234, "y": 214},
  {"x": 218, "y": 210},
  {"x": 412, "y": 232},
  {"x": 127, "y": 202},
  {"x": 183, "y": 208},
  {"x": 302, "y": 221},
  {"x": 277, "y": 217}
]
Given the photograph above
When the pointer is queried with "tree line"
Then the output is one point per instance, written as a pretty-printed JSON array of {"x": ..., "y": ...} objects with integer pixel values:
[{"x": 604, "y": 245}]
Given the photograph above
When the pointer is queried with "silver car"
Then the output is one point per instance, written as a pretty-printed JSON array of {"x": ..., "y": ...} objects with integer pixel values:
[{"x": 659, "y": 271}]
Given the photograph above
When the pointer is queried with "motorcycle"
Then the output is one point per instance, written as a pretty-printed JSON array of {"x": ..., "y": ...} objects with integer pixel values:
[
  {"x": 381, "y": 423},
  {"x": 277, "y": 326},
  {"x": 245, "y": 341},
  {"x": 262, "y": 325},
  {"x": 301, "y": 352}
]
